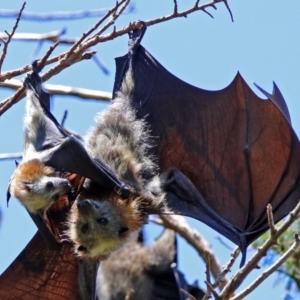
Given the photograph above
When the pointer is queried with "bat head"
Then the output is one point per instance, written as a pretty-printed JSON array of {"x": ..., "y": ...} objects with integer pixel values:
[
  {"x": 99, "y": 227},
  {"x": 36, "y": 185}
]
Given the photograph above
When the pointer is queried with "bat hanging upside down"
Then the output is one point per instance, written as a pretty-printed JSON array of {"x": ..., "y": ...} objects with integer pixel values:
[
  {"x": 101, "y": 221},
  {"x": 36, "y": 185}
]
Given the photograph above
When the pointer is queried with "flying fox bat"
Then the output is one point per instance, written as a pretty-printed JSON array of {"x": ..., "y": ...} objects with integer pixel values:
[
  {"x": 148, "y": 273},
  {"x": 53, "y": 161},
  {"x": 224, "y": 155},
  {"x": 101, "y": 221}
]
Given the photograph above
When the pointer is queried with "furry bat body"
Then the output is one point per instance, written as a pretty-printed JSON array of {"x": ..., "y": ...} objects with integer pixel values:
[
  {"x": 139, "y": 272},
  {"x": 101, "y": 221}
]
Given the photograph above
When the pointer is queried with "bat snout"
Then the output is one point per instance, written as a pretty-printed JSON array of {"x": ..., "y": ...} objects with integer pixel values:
[{"x": 85, "y": 204}]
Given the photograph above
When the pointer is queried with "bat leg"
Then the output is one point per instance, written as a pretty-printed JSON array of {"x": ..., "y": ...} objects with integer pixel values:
[
  {"x": 135, "y": 38},
  {"x": 87, "y": 278}
]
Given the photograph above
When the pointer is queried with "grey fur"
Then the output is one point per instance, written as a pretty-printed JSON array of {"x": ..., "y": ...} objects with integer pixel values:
[
  {"x": 132, "y": 269},
  {"x": 123, "y": 142}
]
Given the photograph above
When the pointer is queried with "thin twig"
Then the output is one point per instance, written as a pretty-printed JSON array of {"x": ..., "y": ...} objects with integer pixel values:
[
  {"x": 6, "y": 43},
  {"x": 80, "y": 52},
  {"x": 86, "y": 34},
  {"x": 55, "y": 16},
  {"x": 211, "y": 290},
  {"x": 54, "y": 89},
  {"x": 64, "y": 118},
  {"x": 115, "y": 15},
  {"x": 207, "y": 281},
  {"x": 52, "y": 36},
  {"x": 270, "y": 270},
  {"x": 110, "y": 36},
  {"x": 8, "y": 156},
  {"x": 179, "y": 224},
  {"x": 190, "y": 297},
  {"x": 271, "y": 220},
  {"x": 238, "y": 278},
  {"x": 41, "y": 62}
]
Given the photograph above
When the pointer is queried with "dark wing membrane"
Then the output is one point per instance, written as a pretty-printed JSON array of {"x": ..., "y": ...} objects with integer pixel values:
[
  {"x": 238, "y": 151},
  {"x": 41, "y": 273}
]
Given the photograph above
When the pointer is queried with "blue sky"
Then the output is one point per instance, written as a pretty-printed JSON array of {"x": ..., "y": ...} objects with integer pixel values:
[{"x": 263, "y": 44}]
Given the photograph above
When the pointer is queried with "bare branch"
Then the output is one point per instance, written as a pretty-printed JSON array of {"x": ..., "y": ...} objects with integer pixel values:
[
  {"x": 9, "y": 102},
  {"x": 68, "y": 58},
  {"x": 41, "y": 62},
  {"x": 110, "y": 36},
  {"x": 86, "y": 34},
  {"x": 209, "y": 288},
  {"x": 62, "y": 90},
  {"x": 179, "y": 224},
  {"x": 190, "y": 297},
  {"x": 238, "y": 278},
  {"x": 270, "y": 270},
  {"x": 52, "y": 36},
  {"x": 115, "y": 15},
  {"x": 6, "y": 43},
  {"x": 8, "y": 156},
  {"x": 55, "y": 16},
  {"x": 273, "y": 229}
]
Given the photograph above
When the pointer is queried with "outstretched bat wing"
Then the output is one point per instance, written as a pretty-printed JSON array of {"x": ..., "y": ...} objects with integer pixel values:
[{"x": 225, "y": 154}]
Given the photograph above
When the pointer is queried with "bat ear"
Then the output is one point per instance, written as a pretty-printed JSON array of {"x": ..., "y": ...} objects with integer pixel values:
[{"x": 8, "y": 195}]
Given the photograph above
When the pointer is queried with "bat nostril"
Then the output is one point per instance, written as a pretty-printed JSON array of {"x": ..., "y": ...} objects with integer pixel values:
[
  {"x": 86, "y": 202},
  {"x": 83, "y": 203},
  {"x": 49, "y": 184}
]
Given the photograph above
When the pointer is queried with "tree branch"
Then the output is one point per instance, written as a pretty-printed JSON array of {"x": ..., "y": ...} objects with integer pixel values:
[
  {"x": 6, "y": 43},
  {"x": 110, "y": 36},
  {"x": 62, "y": 90},
  {"x": 56, "y": 16},
  {"x": 52, "y": 36},
  {"x": 8, "y": 156},
  {"x": 179, "y": 224},
  {"x": 238, "y": 278},
  {"x": 72, "y": 56},
  {"x": 270, "y": 270}
]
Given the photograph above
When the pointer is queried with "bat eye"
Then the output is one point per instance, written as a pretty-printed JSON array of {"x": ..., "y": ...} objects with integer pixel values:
[
  {"x": 81, "y": 249},
  {"x": 49, "y": 185},
  {"x": 85, "y": 228},
  {"x": 123, "y": 230},
  {"x": 102, "y": 221},
  {"x": 27, "y": 185}
]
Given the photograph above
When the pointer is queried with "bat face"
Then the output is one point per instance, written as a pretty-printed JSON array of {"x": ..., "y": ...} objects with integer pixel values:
[
  {"x": 99, "y": 227},
  {"x": 36, "y": 185}
]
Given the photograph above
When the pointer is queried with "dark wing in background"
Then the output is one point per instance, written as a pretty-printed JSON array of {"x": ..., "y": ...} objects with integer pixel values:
[
  {"x": 41, "y": 273},
  {"x": 47, "y": 270},
  {"x": 225, "y": 154},
  {"x": 63, "y": 151}
]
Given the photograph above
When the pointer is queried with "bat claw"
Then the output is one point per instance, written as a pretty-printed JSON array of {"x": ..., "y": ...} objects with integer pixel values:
[{"x": 135, "y": 37}]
